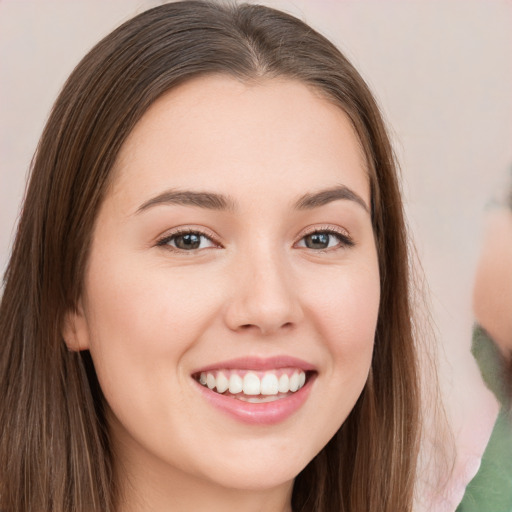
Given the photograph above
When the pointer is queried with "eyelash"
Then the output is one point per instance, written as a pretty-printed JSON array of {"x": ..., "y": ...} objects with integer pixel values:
[
  {"x": 165, "y": 241},
  {"x": 344, "y": 240}
]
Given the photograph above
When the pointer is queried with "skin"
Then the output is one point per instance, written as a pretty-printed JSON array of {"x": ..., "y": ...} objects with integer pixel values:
[
  {"x": 492, "y": 294},
  {"x": 152, "y": 314}
]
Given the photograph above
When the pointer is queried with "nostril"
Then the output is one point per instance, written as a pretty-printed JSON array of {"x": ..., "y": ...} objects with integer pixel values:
[{"x": 265, "y": 329}]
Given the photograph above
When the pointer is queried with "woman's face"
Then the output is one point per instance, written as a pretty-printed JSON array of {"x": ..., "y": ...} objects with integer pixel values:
[{"x": 233, "y": 253}]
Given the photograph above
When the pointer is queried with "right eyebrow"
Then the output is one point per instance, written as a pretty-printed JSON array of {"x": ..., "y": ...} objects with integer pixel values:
[{"x": 207, "y": 200}]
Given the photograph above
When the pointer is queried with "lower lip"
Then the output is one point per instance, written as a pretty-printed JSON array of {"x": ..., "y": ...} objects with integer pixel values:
[{"x": 267, "y": 413}]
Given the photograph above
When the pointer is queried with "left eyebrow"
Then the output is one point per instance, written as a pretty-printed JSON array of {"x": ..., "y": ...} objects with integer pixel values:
[{"x": 323, "y": 197}]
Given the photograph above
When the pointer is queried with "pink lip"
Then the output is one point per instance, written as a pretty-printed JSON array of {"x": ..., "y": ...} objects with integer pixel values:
[
  {"x": 258, "y": 364},
  {"x": 267, "y": 413}
]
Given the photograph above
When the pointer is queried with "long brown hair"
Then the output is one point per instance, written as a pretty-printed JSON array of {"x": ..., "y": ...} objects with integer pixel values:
[{"x": 54, "y": 446}]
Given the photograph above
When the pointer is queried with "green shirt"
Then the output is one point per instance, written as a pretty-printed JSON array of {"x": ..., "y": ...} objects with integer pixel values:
[{"x": 491, "y": 488}]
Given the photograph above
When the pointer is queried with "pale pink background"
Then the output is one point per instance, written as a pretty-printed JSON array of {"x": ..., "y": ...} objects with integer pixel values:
[{"x": 442, "y": 71}]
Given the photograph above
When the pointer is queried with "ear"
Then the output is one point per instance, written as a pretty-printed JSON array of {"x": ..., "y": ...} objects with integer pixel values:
[{"x": 75, "y": 330}]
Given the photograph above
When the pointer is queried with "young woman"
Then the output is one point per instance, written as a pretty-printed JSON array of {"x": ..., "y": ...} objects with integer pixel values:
[{"x": 207, "y": 303}]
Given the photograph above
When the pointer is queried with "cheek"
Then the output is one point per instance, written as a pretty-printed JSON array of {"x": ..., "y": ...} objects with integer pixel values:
[
  {"x": 345, "y": 311},
  {"x": 138, "y": 318},
  {"x": 144, "y": 303},
  {"x": 346, "y": 308}
]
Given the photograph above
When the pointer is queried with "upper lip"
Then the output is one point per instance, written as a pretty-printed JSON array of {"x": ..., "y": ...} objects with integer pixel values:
[{"x": 258, "y": 364}]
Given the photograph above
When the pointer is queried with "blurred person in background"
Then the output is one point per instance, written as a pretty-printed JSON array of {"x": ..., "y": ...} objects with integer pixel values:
[{"x": 491, "y": 488}]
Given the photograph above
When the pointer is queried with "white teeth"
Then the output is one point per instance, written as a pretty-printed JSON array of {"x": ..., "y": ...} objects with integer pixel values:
[
  {"x": 294, "y": 382},
  {"x": 210, "y": 381},
  {"x": 269, "y": 384},
  {"x": 222, "y": 383},
  {"x": 235, "y": 384},
  {"x": 284, "y": 383},
  {"x": 252, "y": 384}
]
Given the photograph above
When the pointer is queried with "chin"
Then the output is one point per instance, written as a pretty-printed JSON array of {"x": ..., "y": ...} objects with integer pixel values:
[
  {"x": 258, "y": 472},
  {"x": 257, "y": 479}
]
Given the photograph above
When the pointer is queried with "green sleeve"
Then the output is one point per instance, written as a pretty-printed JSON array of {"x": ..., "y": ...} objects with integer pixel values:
[{"x": 491, "y": 488}]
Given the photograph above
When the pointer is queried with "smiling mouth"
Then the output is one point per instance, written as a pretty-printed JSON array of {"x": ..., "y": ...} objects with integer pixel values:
[{"x": 254, "y": 386}]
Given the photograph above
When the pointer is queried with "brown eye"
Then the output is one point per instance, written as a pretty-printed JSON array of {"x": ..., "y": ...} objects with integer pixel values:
[
  {"x": 322, "y": 240},
  {"x": 318, "y": 240},
  {"x": 189, "y": 241}
]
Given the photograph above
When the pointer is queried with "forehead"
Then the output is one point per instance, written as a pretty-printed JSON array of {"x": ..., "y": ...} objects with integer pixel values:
[{"x": 215, "y": 129}]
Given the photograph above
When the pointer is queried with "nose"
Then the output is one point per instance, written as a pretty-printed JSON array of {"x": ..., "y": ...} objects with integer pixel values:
[{"x": 264, "y": 297}]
